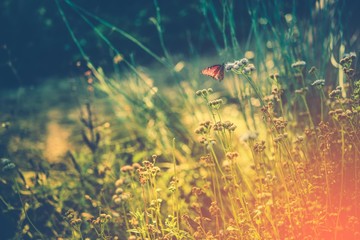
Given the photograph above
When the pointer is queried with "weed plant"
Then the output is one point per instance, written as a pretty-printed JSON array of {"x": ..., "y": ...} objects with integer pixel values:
[{"x": 270, "y": 153}]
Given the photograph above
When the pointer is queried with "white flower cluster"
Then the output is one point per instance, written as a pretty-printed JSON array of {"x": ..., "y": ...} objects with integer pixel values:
[
  {"x": 318, "y": 83},
  {"x": 240, "y": 66},
  {"x": 298, "y": 64}
]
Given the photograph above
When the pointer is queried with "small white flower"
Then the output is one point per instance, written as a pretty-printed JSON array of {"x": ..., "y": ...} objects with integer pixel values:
[
  {"x": 298, "y": 64},
  {"x": 319, "y": 82},
  {"x": 229, "y": 66},
  {"x": 244, "y": 61}
]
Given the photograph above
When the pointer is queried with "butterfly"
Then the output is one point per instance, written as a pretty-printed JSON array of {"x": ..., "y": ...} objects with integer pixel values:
[{"x": 215, "y": 71}]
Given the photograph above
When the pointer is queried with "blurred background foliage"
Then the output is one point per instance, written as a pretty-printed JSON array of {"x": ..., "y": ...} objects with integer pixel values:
[{"x": 36, "y": 42}]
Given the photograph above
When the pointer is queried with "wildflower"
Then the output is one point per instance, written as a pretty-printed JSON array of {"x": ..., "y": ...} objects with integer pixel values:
[
  {"x": 74, "y": 222},
  {"x": 349, "y": 71},
  {"x": 87, "y": 216},
  {"x": 146, "y": 163},
  {"x": 301, "y": 91},
  {"x": 7, "y": 168},
  {"x": 298, "y": 64},
  {"x": 155, "y": 170},
  {"x": 239, "y": 64},
  {"x": 119, "y": 190},
  {"x": 332, "y": 113},
  {"x": 259, "y": 147},
  {"x": 280, "y": 137},
  {"x": 244, "y": 61},
  {"x": 206, "y": 124},
  {"x": 200, "y": 130},
  {"x": 211, "y": 143},
  {"x": 204, "y": 93},
  {"x": 339, "y": 111},
  {"x": 236, "y": 66},
  {"x": 229, "y": 126},
  {"x": 279, "y": 123},
  {"x": 335, "y": 93},
  {"x": 299, "y": 139},
  {"x": 119, "y": 182},
  {"x": 229, "y": 66},
  {"x": 204, "y": 128},
  {"x": 206, "y": 161},
  {"x": 136, "y": 165},
  {"x": 318, "y": 83},
  {"x": 214, "y": 209},
  {"x": 252, "y": 67},
  {"x": 114, "y": 197},
  {"x": 117, "y": 200},
  {"x": 347, "y": 59},
  {"x": 232, "y": 155},
  {"x": 202, "y": 140},
  {"x": 218, "y": 126},
  {"x": 197, "y": 191},
  {"x": 216, "y": 104},
  {"x": 248, "y": 69},
  {"x": 352, "y": 55},
  {"x": 125, "y": 196}
]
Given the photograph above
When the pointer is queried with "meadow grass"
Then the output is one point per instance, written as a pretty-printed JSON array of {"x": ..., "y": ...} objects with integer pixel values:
[{"x": 271, "y": 152}]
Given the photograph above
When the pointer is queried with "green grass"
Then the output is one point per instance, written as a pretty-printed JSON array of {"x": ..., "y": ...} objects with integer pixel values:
[{"x": 269, "y": 153}]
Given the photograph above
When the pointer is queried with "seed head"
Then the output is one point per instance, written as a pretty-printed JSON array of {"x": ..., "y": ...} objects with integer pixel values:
[
  {"x": 229, "y": 66},
  {"x": 244, "y": 61},
  {"x": 252, "y": 67},
  {"x": 298, "y": 64},
  {"x": 318, "y": 83},
  {"x": 236, "y": 66},
  {"x": 301, "y": 91},
  {"x": 335, "y": 93}
]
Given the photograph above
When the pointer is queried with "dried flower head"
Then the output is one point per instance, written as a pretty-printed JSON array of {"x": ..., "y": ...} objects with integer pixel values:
[
  {"x": 204, "y": 93},
  {"x": 298, "y": 64},
  {"x": 335, "y": 93},
  {"x": 318, "y": 83},
  {"x": 259, "y": 147},
  {"x": 229, "y": 66},
  {"x": 216, "y": 104},
  {"x": 301, "y": 91}
]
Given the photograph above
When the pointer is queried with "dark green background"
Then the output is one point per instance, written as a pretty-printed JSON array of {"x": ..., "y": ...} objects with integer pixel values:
[{"x": 39, "y": 46}]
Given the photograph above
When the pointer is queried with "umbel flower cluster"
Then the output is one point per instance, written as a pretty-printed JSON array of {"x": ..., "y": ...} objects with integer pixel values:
[{"x": 241, "y": 66}]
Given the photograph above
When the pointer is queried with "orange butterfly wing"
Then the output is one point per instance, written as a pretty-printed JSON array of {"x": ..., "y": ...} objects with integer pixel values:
[{"x": 215, "y": 71}]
